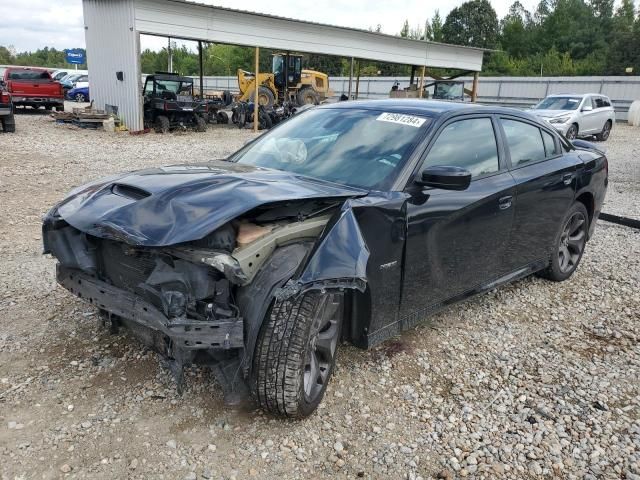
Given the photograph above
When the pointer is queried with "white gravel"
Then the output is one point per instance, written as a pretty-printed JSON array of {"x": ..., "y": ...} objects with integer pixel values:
[{"x": 534, "y": 380}]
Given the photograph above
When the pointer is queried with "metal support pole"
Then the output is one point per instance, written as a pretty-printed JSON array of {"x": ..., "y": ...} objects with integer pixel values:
[
  {"x": 474, "y": 89},
  {"x": 413, "y": 75},
  {"x": 169, "y": 56},
  {"x": 358, "y": 80},
  {"x": 255, "y": 98},
  {"x": 350, "y": 78},
  {"x": 200, "y": 63},
  {"x": 421, "y": 81}
]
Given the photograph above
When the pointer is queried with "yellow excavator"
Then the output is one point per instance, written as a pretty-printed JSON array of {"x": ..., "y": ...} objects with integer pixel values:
[{"x": 286, "y": 82}]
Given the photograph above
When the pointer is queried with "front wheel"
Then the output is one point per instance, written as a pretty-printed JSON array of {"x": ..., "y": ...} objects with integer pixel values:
[
  {"x": 569, "y": 244},
  {"x": 295, "y": 353},
  {"x": 572, "y": 133},
  {"x": 80, "y": 98}
]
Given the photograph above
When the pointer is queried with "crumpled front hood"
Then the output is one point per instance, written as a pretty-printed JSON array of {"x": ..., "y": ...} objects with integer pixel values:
[{"x": 171, "y": 205}]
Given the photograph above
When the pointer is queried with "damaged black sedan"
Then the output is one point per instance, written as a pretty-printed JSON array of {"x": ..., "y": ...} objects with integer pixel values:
[{"x": 350, "y": 222}]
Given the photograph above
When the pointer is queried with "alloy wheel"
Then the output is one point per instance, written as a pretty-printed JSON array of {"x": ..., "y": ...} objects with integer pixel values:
[
  {"x": 323, "y": 342},
  {"x": 606, "y": 130},
  {"x": 572, "y": 133},
  {"x": 572, "y": 242}
]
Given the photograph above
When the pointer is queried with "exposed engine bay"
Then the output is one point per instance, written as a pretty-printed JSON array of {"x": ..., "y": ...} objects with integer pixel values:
[{"x": 184, "y": 294}]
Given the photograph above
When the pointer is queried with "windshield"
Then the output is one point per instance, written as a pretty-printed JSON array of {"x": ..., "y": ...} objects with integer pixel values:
[
  {"x": 174, "y": 86},
  {"x": 448, "y": 90},
  {"x": 26, "y": 74},
  {"x": 361, "y": 148},
  {"x": 559, "y": 103}
]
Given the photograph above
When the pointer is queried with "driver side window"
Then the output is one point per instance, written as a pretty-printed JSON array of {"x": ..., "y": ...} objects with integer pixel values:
[
  {"x": 148, "y": 88},
  {"x": 469, "y": 144}
]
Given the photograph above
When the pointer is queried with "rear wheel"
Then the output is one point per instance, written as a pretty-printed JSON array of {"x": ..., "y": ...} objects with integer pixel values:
[
  {"x": 606, "y": 131},
  {"x": 201, "y": 124},
  {"x": 80, "y": 98},
  {"x": 572, "y": 133},
  {"x": 60, "y": 108},
  {"x": 265, "y": 97},
  {"x": 162, "y": 124},
  {"x": 307, "y": 96},
  {"x": 569, "y": 244},
  {"x": 295, "y": 353}
]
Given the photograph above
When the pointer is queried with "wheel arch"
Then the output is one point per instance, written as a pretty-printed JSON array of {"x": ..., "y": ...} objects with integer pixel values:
[{"x": 588, "y": 200}]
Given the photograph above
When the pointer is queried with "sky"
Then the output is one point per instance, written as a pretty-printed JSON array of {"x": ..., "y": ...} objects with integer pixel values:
[{"x": 33, "y": 24}]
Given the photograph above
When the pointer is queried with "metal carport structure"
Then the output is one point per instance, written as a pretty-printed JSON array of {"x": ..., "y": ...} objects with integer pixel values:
[{"x": 113, "y": 28}]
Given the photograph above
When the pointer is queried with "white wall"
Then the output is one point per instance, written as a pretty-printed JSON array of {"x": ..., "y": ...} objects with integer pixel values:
[{"x": 113, "y": 45}]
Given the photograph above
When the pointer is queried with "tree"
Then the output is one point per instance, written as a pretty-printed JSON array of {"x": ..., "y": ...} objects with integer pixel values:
[
  {"x": 517, "y": 31},
  {"x": 405, "y": 29},
  {"x": 436, "y": 27},
  {"x": 474, "y": 23}
]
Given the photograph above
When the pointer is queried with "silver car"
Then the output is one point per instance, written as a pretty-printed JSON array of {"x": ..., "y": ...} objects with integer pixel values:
[{"x": 578, "y": 115}]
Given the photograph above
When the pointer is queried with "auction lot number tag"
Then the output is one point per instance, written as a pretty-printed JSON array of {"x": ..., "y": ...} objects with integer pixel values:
[{"x": 402, "y": 119}]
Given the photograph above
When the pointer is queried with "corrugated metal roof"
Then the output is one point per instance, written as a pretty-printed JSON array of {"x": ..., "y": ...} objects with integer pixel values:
[{"x": 359, "y": 30}]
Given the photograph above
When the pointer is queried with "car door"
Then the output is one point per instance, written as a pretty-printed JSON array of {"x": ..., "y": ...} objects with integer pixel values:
[
  {"x": 545, "y": 179},
  {"x": 590, "y": 117},
  {"x": 456, "y": 239},
  {"x": 603, "y": 110}
]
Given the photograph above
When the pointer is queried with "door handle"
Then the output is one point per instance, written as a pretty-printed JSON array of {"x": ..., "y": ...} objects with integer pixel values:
[
  {"x": 505, "y": 202},
  {"x": 567, "y": 178}
]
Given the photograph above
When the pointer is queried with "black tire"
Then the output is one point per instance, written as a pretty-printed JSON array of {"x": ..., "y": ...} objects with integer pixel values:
[
  {"x": 48, "y": 108},
  {"x": 80, "y": 98},
  {"x": 265, "y": 98},
  {"x": 201, "y": 124},
  {"x": 9, "y": 124},
  {"x": 60, "y": 108},
  {"x": 307, "y": 96},
  {"x": 284, "y": 380},
  {"x": 603, "y": 136},
  {"x": 162, "y": 124},
  {"x": 222, "y": 118},
  {"x": 264, "y": 121},
  {"x": 568, "y": 245},
  {"x": 572, "y": 133}
]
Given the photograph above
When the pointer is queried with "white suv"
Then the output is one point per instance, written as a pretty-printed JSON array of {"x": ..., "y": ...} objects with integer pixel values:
[{"x": 578, "y": 115}]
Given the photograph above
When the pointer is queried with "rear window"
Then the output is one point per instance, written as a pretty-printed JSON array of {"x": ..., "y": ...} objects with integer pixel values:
[{"x": 27, "y": 74}]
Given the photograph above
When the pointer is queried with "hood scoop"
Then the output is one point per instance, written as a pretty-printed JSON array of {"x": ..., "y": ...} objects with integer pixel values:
[{"x": 128, "y": 191}]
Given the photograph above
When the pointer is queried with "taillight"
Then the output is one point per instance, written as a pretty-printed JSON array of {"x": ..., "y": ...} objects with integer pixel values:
[{"x": 5, "y": 97}]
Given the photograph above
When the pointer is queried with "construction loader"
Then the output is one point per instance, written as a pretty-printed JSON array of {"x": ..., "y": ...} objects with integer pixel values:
[{"x": 287, "y": 82}]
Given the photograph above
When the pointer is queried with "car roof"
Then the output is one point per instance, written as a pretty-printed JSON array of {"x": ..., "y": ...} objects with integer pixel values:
[{"x": 430, "y": 108}]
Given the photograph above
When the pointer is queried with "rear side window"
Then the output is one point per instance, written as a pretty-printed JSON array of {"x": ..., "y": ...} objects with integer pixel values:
[
  {"x": 599, "y": 102},
  {"x": 470, "y": 144},
  {"x": 550, "y": 145},
  {"x": 524, "y": 142}
]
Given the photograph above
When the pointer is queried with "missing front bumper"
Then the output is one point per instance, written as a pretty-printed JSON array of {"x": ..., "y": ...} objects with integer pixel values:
[{"x": 184, "y": 333}]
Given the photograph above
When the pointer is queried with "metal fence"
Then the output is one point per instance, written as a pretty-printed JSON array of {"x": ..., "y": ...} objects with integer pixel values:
[{"x": 519, "y": 92}]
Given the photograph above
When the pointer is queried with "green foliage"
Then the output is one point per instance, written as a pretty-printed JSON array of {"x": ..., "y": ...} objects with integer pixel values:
[
  {"x": 473, "y": 24},
  {"x": 44, "y": 57},
  {"x": 561, "y": 37}
]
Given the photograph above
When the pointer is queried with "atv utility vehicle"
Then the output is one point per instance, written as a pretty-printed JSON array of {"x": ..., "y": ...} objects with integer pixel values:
[{"x": 169, "y": 103}]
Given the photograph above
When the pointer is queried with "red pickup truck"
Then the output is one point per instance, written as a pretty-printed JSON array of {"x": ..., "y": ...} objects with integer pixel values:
[{"x": 33, "y": 87}]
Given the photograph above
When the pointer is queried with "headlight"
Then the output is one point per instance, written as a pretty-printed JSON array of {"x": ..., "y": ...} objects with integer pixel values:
[{"x": 559, "y": 119}]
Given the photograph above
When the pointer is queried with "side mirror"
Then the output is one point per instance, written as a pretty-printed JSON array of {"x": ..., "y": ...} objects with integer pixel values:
[
  {"x": 587, "y": 108},
  {"x": 446, "y": 178}
]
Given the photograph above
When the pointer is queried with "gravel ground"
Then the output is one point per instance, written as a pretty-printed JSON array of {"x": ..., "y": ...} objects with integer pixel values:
[{"x": 533, "y": 380}]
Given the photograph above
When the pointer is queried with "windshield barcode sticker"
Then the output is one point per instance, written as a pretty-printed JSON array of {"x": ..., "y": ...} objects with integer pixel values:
[{"x": 402, "y": 119}]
